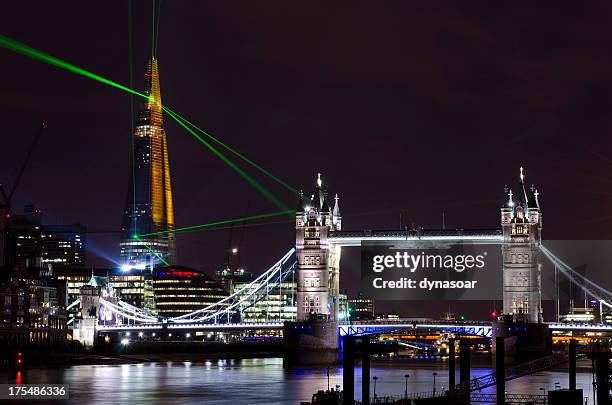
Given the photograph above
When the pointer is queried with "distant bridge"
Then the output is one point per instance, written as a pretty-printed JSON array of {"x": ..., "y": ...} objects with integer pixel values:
[
  {"x": 482, "y": 329},
  {"x": 474, "y": 329},
  {"x": 359, "y": 329}
]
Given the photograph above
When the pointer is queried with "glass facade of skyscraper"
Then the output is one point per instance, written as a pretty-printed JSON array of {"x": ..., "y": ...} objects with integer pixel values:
[{"x": 148, "y": 218}]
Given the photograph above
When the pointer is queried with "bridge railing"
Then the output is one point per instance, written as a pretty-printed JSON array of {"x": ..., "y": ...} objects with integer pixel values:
[{"x": 541, "y": 364}]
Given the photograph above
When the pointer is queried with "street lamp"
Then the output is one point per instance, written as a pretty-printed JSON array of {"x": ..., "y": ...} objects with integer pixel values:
[
  {"x": 434, "y": 382},
  {"x": 375, "y": 379},
  {"x": 406, "y": 391}
]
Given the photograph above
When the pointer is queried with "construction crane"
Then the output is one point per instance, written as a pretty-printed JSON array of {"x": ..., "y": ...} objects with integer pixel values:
[{"x": 8, "y": 256}]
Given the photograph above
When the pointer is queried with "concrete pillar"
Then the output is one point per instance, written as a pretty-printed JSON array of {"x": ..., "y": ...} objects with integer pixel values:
[
  {"x": 348, "y": 370},
  {"x": 602, "y": 371},
  {"x": 365, "y": 371},
  {"x": 464, "y": 363},
  {"x": 572, "y": 365},
  {"x": 451, "y": 364},
  {"x": 500, "y": 370}
]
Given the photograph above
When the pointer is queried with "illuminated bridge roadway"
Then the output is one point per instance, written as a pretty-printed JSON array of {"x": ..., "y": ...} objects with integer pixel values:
[
  {"x": 477, "y": 329},
  {"x": 482, "y": 329}
]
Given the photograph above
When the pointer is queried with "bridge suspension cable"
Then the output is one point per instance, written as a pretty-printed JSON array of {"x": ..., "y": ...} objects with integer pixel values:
[
  {"x": 245, "y": 297},
  {"x": 604, "y": 296},
  {"x": 127, "y": 311}
]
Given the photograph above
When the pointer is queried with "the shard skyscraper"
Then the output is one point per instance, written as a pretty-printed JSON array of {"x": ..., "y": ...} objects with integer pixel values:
[{"x": 148, "y": 207}]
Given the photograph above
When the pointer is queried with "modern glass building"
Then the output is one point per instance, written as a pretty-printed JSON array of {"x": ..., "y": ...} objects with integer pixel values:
[
  {"x": 361, "y": 308},
  {"x": 277, "y": 306},
  {"x": 179, "y": 290},
  {"x": 148, "y": 208},
  {"x": 63, "y": 245},
  {"x": 134, "y": 287}
]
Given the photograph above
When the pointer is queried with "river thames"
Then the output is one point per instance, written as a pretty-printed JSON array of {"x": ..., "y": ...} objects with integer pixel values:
[{"x": 255, "y": 381}]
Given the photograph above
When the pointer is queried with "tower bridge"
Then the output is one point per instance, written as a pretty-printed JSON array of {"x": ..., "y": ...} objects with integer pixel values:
[{"x": 315, "y": 264}]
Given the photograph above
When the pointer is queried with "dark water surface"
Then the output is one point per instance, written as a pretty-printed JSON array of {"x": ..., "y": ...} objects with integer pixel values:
[{"x": 252, "y": 381}]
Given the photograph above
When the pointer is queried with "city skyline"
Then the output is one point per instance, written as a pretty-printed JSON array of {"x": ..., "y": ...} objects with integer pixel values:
[
  {"x": 206, "y": 191},
  {"x": 362, "y": 203}
]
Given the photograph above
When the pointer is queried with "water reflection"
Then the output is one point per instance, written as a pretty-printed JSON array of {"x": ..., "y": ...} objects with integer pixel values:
[{"x": 254, "y": 381}]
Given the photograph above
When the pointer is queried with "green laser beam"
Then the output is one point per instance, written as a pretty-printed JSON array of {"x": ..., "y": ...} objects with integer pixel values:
[
  {"x": 131, "y": 63},
  {"x": 44, "y": 57},
  {"x": 52, "y": 60},
  {"x": 161, "y": 259},
  {"x": 220, "y": 228},
  {"x": 222, "y": 222},
  {"x": 235, "y": 152},
  {"x": 232, "y": 165},
  {"x": 157, "y": 26},
  {"x": 153, "y": 31}
]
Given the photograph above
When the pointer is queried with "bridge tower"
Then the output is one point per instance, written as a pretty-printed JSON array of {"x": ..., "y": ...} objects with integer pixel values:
[
  {"x": 521, "y": 321},
  {"x": 317, "y": 274},
  {"x": 318, "y": 262},
  {"x": 521, "y": 221}
]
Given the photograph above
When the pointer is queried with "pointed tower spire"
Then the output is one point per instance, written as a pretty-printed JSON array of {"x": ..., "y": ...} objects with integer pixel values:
[
  {"x": 317, "y": 199},
  {"x": 300, "y": 204},
  {"x": 336, "y": 206},
  {"x": 336, "y": 217},
  {"x": 151, "y": 110},
  {"x": 525, "y": 197}
]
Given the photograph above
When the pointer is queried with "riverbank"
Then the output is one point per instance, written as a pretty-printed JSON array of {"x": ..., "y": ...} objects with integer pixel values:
[
  {"x": 142, "y": 353},
  {"x": 64, "y": 359}
]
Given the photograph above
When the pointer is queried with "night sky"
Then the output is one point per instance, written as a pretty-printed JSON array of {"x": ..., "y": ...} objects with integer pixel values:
[{"x": 403, "y": 107}]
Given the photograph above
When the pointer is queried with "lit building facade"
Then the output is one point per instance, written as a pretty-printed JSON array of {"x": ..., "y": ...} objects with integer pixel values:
[
  {"x": 179, "y": 290},
  {"x": 63, "y": 245},
  {"x": 26, "y": 231},
  {"x": 361, "y": 308},
  {"x": 580, "y": 315},
  {"x": 230, "y": 278},
  {"x": 32, "y": 312},
  {"x": 149, "y": 206},
  {"x": 46, "y": 246},
  {"x": 277, "y": 306},
  {"x": 134, "y": 288}
]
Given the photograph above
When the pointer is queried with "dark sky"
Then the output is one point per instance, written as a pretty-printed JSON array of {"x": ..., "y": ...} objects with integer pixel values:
[{"x": 403, "y": 106}]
